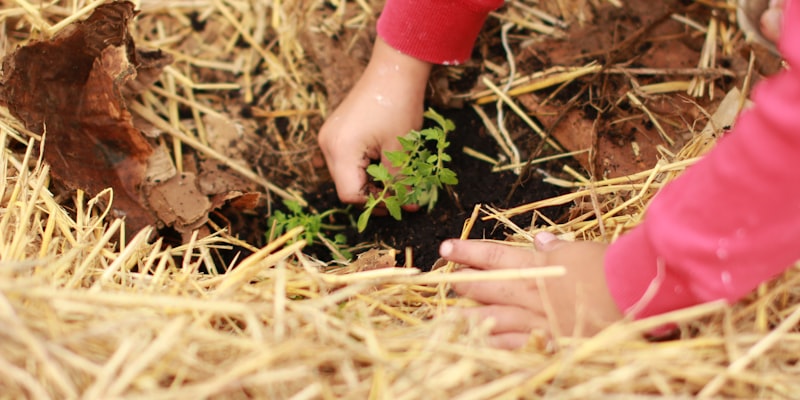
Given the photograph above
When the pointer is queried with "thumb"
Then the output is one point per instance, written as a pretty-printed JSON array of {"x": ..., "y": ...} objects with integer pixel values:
[{"x": 546, "y": 241}]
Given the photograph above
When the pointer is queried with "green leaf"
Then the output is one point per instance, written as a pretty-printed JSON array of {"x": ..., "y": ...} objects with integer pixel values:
[
  {"x": 278, "y": 214},
  {"x": 448, "y": 177},
  {"x": 379, "y": 172},
  {"x": 406, "y": 172},
  {"x": 424, "y": 169},
  {"x": 446, "y": 124},
  {"x": 423, "y": 198},
  {"x": 432, "y": 134},
  {"x": 424, "y": 154},
  {"x": 432, "y": 182},
  {"x": 313, "y": 224},
  {"x": 371, "y": 201},
  {"x": 293, "y": 206},
  {"x": 433, "y": 199},
  {"x": 409, "y": 181},
  {"x": 432, "y": 159},
  {"x": 363, "y": 219},
  {"x": 436, "y": 117},
  {"x": 408, "y": 143},
  {"x": 393, "y": 206},
  {"x": 397, "y": 158},
  {"x": 401, "y": 193},
  {"x": 445, "y": 157}
]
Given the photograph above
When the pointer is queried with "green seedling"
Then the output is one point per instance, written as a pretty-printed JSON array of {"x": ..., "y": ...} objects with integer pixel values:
[
  {"x": 313, "y": 223},
  {"x": 421, "y": 171}
]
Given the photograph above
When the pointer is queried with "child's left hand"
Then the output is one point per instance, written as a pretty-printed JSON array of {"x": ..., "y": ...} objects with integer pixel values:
[{"x": 580, "y": 299}]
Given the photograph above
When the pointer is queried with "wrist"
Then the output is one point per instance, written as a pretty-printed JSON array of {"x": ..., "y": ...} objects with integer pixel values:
[{"x": 393, "y": 68}]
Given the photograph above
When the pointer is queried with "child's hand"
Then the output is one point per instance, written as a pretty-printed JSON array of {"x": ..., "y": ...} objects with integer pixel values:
[
  {"x": 580, "y": 300},
  {"x": 385, "y": 103}
]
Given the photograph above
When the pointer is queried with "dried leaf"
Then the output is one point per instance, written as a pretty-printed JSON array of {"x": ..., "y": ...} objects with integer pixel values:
[
  {"x": 179, "y": 203},
  {"x": 70, "y": 88},
  {"x": 375, "y": 259}
]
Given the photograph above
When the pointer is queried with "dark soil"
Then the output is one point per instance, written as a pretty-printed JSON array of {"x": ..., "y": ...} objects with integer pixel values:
[
  {"x": 423, "y": 231},
  {"x": 587, "y": 113}
]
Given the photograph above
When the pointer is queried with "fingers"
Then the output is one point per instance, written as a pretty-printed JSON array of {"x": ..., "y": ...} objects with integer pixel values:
[
  {"x": 772, "y": 24},
  {"x": 494, "y": 256},
  {"x": 411, "y": 207},
  {"x": 386, "y": 102},
  {"x": 487, "y": 255},
  {"x": 579, "y": 302},
  {"x": 509, "y": 341},
  {"x": 346, "y": 160},
  {"x": 350, "y": 177},
  {"x": 512, "y": 325},
  {"x": 508, "y": 318},
  {"x": 349, "y": 152},
  {"x": 517, "y": 293},
  {"x": 546, "y": 241}
]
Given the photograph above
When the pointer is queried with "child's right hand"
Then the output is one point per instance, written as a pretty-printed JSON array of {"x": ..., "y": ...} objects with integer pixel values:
[{"x": 385, "y": 103}]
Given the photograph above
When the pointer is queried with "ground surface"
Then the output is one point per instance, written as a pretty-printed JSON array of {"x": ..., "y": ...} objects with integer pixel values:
[
  {"x": 594, "y": 111},
  {"x": 422, "y": 231},
  {"x": 629, "y": 85},
  {"x": 245, "y": 97}
]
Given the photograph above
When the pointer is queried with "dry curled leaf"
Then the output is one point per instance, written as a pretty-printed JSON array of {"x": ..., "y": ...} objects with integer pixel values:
[
  {"x": 179, "y": 203},
  {"x": 375, "y": 259},
  {"x": 73, "y": 89},
  {"x": 70, "y": 88}
]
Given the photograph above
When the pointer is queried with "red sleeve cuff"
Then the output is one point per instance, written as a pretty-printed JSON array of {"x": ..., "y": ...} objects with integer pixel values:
[
  {"x": 639, "y": 281},
  {"x": 436, "y": 31}
]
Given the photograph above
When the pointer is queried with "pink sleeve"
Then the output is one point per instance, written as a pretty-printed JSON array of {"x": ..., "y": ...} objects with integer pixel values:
[
  {"x": 436, "y": 31},
  {"x": 732, "y": 220}
]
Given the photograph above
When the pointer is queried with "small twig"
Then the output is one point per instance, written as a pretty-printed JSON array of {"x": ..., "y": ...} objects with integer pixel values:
[
  {"x": 638, "y": 104},
  {"x": 535, "y": 127}
]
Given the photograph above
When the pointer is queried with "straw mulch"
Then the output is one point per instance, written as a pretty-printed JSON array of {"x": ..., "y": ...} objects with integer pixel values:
[{"x": 86, "y": 313}]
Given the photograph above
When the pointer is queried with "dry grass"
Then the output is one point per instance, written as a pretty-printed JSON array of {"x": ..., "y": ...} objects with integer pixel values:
[{"x": 85, "y": 315}]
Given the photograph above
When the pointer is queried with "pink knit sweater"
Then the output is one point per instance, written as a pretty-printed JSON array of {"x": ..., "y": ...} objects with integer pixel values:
[
  {"x": 732, "y": 220},
  {"x": 727, "y": 224}
]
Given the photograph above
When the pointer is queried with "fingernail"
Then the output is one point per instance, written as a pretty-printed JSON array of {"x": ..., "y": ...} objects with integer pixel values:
[
  {"x": 446, "y": 248},
  {"x": 543, "y": 238}
]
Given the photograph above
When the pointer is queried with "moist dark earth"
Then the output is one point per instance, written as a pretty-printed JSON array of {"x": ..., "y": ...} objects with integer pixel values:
[
  {"x": 590, "y": 112},
  {"x": 422, "y": 231},
  {"x": 586, "y": 113}
]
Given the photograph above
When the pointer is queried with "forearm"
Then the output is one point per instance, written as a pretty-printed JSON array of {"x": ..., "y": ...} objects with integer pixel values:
[
  {"x": 730, "y": 222},
  {"x": 436, "y": 31}
]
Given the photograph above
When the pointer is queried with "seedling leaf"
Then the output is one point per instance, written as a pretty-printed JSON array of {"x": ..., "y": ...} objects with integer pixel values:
[
  {"x": 421, "y": 171},
  {"x": 396, "y": 158},
  {"x": 448, "y": 177},
  {"x": 363, "y": 219},
  {"x": 379, "y": 172}
]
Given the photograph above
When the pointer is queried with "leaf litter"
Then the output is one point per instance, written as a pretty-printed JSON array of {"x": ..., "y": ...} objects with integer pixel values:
[
  {"x": 283, "y": 325},
  {"x": 73, "y": 90}
]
